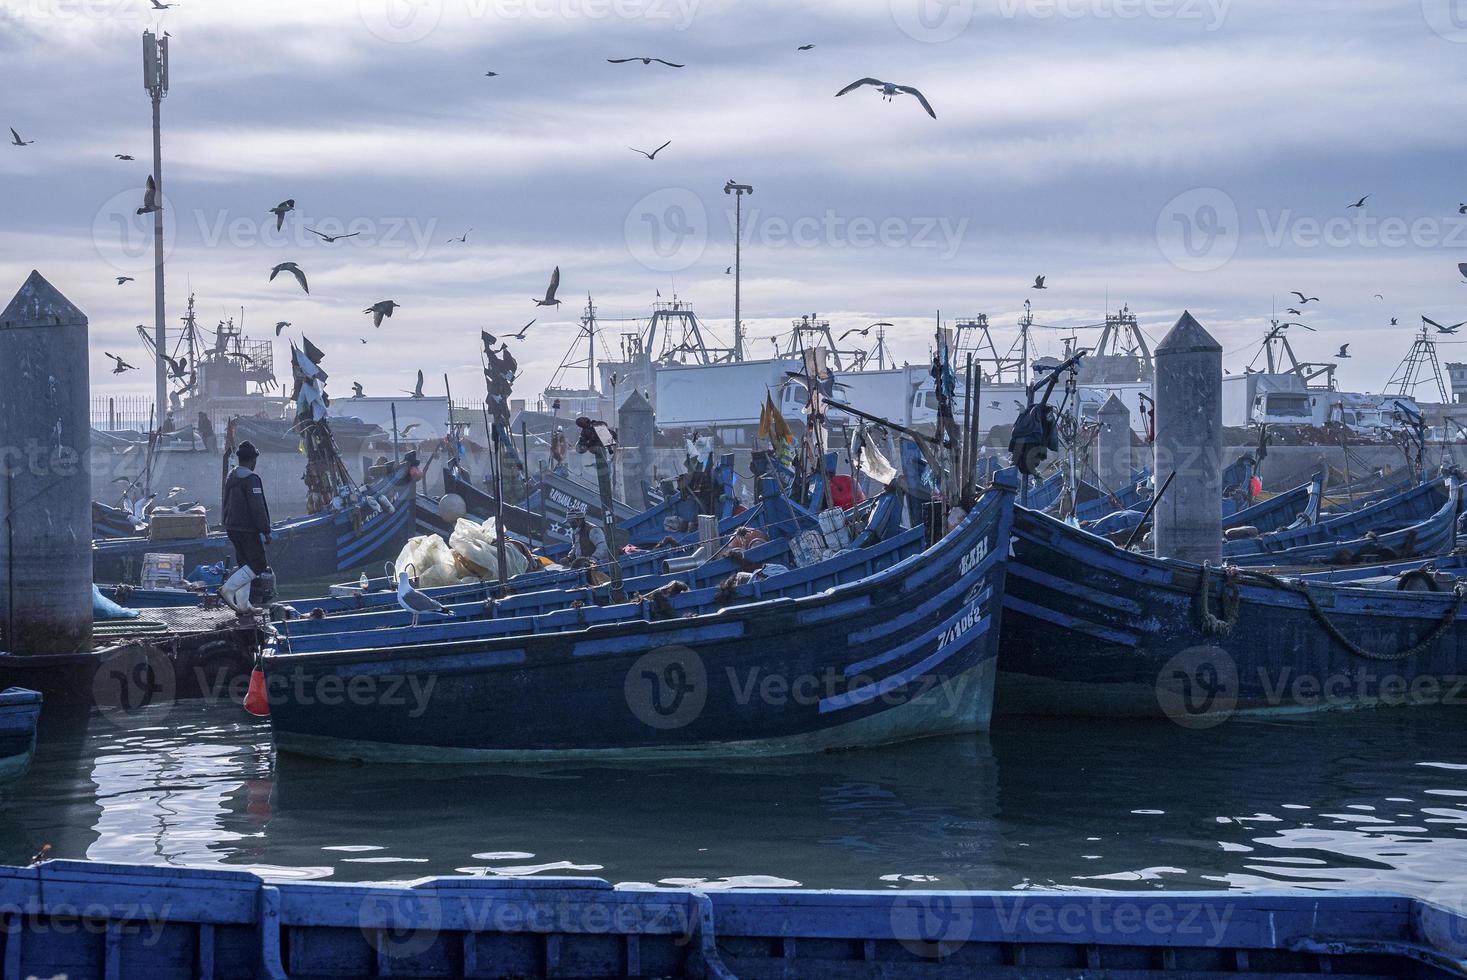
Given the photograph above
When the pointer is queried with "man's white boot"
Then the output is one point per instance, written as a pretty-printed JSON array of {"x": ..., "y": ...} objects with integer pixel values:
[{"x": 236, "y": 589}]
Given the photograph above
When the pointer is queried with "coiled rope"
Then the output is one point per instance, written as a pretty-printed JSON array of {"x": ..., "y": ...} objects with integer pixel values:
[{"x": 1232, "y": 601}]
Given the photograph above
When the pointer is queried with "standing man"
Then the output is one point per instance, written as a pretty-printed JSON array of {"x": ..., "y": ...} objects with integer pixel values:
[
  {"x": 247, "y": 522},
  {"x": 558, "y": 450}
]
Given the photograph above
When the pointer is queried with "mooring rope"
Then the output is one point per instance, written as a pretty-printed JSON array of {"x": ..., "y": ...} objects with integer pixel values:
[{"x": 1232, "y": 600}]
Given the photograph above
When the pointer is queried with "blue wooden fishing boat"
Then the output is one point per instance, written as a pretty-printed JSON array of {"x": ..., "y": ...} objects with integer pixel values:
[
  {"x": 1300, "y": 506},
  {"x": 133, "y": 922},
  {"x": 302, "y": 548},
  {"x": 1133, "y": 496},
  {"x": 1092, "y": 629},
  {"x": 880, "y": 649},
  {"x": 20, "y": 713},
  {"x": 1420, "y": 521}
]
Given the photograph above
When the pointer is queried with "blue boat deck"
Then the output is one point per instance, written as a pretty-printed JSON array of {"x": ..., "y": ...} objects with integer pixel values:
[{"x": 85, "y": 919}]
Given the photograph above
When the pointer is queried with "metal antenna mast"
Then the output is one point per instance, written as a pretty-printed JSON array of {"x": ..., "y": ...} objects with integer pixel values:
[
  {"x": 155, "y": 80},
  {"x": 1419, "y": 361},
  {"x": 738, "y": 191}
]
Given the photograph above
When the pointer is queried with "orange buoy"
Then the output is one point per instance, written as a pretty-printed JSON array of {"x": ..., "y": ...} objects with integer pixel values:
[{"x": 256, "y": 702}]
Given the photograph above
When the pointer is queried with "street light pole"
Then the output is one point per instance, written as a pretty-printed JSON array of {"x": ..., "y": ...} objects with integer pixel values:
[
  {"x": 155, "y": 80},
  {"x": 738, "y": 191}
]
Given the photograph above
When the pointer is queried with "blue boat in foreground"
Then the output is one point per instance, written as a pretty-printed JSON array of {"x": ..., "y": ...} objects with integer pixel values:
[
  {"x": 1092, "y": 629},
  {"x": 20, "y": 713},
  {"x": 879, "y": 650},
  {"x": 129, "y": 922}
]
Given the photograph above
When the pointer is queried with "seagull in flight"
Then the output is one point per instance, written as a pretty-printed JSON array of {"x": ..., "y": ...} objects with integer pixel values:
[
  {"x": 356, "y": 390},
  {"x": 294, "y": 270},
  {"x": 1344, "y": 352},
  {"x": 15, "y": 139},
  {"x": 491, "y": 74},
  {"x": 889, "y": 91},
  {"x": 123, "y": 156},
  {"x": 280, "y": 210},
  {"x": 1462, "y": 269},
  {"x": 158, "y": 5},
  {"x": 415, "y": 602},
  {"x": 1293, "y": 312},
  {"x": 461, "y": 238},
  {"x": 379, "y": 310},
  {"x": 417, "y": 391},
  {"x": 550, "y": 299},
  {"x": 645, "y": 61},
  {"x": 805, "y": 47},
  {"x": 863, "y": 331},
  {"x": 728, "y": 270},
  {"x": 1441, "y": 329},
  {"x": 653, "y": 154},
  {"x": 521, "y": 334},
  {"x": 123, "y": 279},
  {"x": 332, "y": 238},
  {"x": 1305, "y": 299},
  {"x": 1360, "y": 203},
  {"x": 150, "y": 197},
  {"x": 1039, "y": 282},
  {"x": 281, "y": 325},
  {"x": 121, "y": 364}
]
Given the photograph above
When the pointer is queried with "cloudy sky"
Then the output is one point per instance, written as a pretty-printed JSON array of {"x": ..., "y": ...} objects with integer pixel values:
[{"x": 1167, "y": 154}]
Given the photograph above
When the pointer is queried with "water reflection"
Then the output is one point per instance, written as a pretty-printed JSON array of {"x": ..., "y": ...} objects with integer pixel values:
[{"x": 1372, "y": 800}]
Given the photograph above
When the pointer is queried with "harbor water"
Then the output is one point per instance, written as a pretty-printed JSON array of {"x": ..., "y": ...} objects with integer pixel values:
[{"x": 1370, "y": 800}]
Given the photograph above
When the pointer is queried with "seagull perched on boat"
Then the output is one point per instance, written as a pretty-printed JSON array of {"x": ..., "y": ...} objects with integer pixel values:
[
  {"x": 123, "y": 279},
  {"x": 645, "y": 61},
  {"x": 550, "y": 299},
  {"x": 889, "y": 91},
  {"x": 415, "y": 602},
  {"x": 1039, "y": 282},
  {"x": 1344, "y": 351},
  {"x": 15, "y": 139},
  {"x": 280, "y": 211},
  {"x": 1441, "y": 329},
  {"x": 121, "y": 364},
  {"x": 653, "y": 154},
  {"x": 294, "y": 270},
  {"x": 379, "y": 310},
  {"x": 150, "y": 197},
  {"x": 328, "y": 239}
]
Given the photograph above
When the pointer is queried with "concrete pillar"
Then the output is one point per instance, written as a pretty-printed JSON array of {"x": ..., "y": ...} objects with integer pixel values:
[
  {"x": 636, "y": 428},
  {"x": 1113, "y": 446},
  {"x": 1189, "y": 443},
  {"x": 45, "y": 490}
]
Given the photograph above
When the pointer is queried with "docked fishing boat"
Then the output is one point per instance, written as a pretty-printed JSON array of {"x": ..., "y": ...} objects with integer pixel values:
[
  {"x": 20, "y": 713},
  {"x": 872, "y": 646},
  {"x": 1092, "y": 629},
  {"x": 1299, "y": 506},
  {"x": 1421, "y": 521}
]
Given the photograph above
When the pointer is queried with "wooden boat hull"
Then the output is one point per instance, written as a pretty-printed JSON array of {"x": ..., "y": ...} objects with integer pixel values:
[
  {"x": 903, "y": 653},
  {"x": 1092, "y": 630},
  {"x": 20, "y": 713},
  {"x": 309, "y": 548}
]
